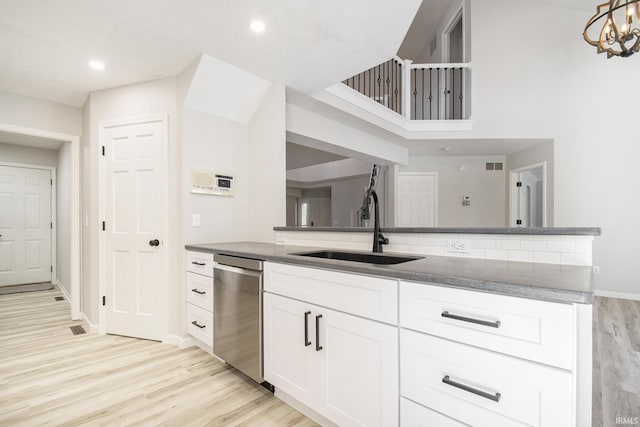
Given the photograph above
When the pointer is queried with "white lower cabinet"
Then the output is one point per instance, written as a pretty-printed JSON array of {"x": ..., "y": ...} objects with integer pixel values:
[
  {"x": 341, "y": 366},
  {"x": 483, "y": 388},
  {"x": 414, "y": 415}
]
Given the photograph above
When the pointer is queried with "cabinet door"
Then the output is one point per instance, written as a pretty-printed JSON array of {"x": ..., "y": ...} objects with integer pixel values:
[
  {"x": 288, "y": 363},
  {"x": 358, "y": 368}
]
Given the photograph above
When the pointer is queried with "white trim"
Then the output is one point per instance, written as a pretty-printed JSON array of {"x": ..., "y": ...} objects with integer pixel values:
[
  {"x": 620, "y": 295},
  {"x": 93, "y": 328},
  {"x": 163, "y": 118},
  {"x": 513, "y": 204},
  {"x": 76, "y": 179},
  {"x": 180, "y": 342},
  {"x": 457, "y": 16},
  {"x": 58, "y": 283},
  {"x": 435, "y": 175}
]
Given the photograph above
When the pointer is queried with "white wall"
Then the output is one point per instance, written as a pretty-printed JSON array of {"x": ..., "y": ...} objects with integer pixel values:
[
  {"x": 346, "y": 196},
  {"x": 37, "y": 113},
  {"x": 533, "y": 155},
  {"x": 63, "y": 217},
  {"x": 267, "y": 166},
  {"x": 158, "y": 96},
  {"x": 221, "y": 145},
  {"x": 486, "y": 189},
  {"x": 28, "y": 155}
]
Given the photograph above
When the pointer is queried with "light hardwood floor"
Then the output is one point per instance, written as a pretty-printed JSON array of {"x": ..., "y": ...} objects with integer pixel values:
[
  {"x": 48, "y": 376},
  {"x": 616, "y": 361}
]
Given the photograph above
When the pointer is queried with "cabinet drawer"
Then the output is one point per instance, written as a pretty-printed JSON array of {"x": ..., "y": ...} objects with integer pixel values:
[
  {"x": 200, "y": 262},
  {"x": 535, "y": 330},
  {"x": 202, "y": 329},
  {"x": 414, "y": 415},
  {"x": 200, "y": 291},
  {"x": 450, "y": 378},
  {"x": 371, "y": 297}
]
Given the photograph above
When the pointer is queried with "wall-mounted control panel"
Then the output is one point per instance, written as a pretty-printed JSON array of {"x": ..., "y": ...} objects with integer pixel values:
[{"x": 211, "y": 183}]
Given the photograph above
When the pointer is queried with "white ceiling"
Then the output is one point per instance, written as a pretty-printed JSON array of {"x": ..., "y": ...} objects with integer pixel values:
[
  {"x": 29, "y": 141},
  {"x": 423, "y": 29},
  {"x": 299, "y": 156},
  {"x": 308, "y": 45}
]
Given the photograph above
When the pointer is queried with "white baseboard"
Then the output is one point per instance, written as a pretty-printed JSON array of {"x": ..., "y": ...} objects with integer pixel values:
[
  {"x": 180, "y": 342},
  {"x": 620, "y": 295},
  {"x": 58, "y": 283},
  {"x": 93, "y": 328}
]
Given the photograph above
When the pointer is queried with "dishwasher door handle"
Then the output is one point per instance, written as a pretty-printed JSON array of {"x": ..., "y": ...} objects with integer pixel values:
[{"x": 237, "y": 270}]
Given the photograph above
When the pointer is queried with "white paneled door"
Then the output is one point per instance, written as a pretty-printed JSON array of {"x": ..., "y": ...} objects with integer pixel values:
[
  {"x": 25, "y": 225},
  {"x": 417, "y": 200},
  {"x": 133, "y": 223}
]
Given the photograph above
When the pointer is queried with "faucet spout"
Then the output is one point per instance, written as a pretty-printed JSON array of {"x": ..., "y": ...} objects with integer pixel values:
[{"x": 378, "y": 238}]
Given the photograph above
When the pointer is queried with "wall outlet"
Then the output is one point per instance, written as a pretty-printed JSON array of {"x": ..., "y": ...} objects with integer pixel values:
[
  {"x": 596, "y": 269},
  {"x": 195, "y": 220},
  {"x": 458, "y": 245}
]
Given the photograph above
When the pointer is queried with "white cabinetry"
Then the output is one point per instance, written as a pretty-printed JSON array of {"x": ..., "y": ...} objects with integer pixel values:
[
  {"x": 199, "y": 308},
  {"x": 342, "y": 366},
  {"x": 457, "y": 358}
]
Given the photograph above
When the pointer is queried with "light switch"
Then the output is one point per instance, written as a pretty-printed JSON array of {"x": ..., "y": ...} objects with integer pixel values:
[{"x": 195, "y": 220}]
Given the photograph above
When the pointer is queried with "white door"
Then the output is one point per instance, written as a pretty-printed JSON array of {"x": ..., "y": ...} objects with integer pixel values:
[
  {"x": 417, "y": 200},
  {"x": 133, "y": 221},
  {"x": 25, "y": 225},
  {"x": 358, "y": 369},
  {"x": 289, "y": 351},
  {"x": 528, "y": 193}
]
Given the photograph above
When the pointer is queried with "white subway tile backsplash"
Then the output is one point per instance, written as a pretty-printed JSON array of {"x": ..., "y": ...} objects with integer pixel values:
[
  {"x": 508, "y": 244},
  {"x": 575, "y": 250},
  {"x": 561, "y": 246},
  {"x": 534, "y": 245}
]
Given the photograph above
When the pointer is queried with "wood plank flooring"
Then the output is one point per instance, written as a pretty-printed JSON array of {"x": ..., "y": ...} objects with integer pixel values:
[
  {"x": 616, "y": 362},
  {"x": 48, "y": 376}
]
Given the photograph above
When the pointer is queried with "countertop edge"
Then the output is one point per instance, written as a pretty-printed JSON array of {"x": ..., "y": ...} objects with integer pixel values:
[
  {"x": 501, "y": 288},
  {"x": 544, "y": 231}
]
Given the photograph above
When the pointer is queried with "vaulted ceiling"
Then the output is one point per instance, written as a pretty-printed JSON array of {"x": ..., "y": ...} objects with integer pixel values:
[{"x": 45, "y": 46}]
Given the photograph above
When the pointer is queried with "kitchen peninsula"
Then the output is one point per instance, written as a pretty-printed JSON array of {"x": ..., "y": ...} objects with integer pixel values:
[{"x": 473, "y": 337}]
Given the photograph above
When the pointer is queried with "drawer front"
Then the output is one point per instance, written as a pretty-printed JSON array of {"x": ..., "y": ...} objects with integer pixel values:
[
  {"x": 200, "y": 262},
  {"x": 414, "y": 415},
  {"x": 482, "y": 388},
  {"x": 534, "y": 330},
  {"x": 371, "y": 297},
  {"x": 200, "y": 291},
  {"x": 202, "y": 329}
]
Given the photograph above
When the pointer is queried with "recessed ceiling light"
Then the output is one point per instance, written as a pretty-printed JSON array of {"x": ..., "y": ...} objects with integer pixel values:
[
  {"x": 96, "y": 65},
  {"x": 257, "y": 26},
  {"x": 446, "y": 148}
]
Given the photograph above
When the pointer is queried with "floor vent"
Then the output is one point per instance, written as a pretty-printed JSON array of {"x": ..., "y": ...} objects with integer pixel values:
[
  {"x": 59, "y": 298},
  {"x": 77, "y": 330}
]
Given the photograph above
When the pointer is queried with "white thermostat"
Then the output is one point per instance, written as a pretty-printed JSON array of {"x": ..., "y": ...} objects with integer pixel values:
[{"x": 211, "y": 183}]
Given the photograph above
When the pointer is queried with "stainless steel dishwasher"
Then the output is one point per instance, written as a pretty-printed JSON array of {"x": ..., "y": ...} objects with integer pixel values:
[{"x": 237, "y": 313}]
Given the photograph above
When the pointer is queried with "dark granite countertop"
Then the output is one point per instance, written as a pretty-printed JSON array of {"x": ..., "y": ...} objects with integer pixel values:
[
  {"x": 548, "y": 282},
  {"x": 549, "y": 231}
]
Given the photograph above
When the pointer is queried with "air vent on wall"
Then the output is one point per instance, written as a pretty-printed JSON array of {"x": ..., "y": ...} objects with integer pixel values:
[{"x": 491, "y": 166}]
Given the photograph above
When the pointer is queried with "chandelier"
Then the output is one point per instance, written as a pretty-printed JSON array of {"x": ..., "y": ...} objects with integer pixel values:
[{"x": 618, "y": 23}]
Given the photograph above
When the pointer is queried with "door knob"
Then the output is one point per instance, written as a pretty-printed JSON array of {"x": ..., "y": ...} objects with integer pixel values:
[{"x": 154, "y": 242}]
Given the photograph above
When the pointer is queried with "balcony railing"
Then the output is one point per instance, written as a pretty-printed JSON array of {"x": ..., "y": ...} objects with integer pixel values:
[{"x": 417, "y": 91}]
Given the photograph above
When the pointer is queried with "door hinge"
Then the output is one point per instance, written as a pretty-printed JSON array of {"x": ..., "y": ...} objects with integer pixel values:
[
  {"x": 51, "y": 182},
  {"x": 518, "y": 184},
  {"x": 51, "y": 225},
  {"x": 104, "y": 226},
  {"x": 518, "y": 222},
  {"x": 52, "y": 268},
  {"x": 103, "y": 150},
  {"x": 104, "y": 300}
]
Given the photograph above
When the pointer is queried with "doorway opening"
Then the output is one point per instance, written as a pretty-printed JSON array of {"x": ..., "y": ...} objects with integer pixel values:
[{"x": 528, "y": 192}]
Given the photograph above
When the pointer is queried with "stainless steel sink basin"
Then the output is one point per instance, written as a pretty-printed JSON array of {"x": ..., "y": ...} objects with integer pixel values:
[{"x": 369, "y": 258}]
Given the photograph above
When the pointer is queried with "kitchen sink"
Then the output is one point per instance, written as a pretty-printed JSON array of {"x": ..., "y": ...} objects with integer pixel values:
[{"x": 369, "y": 258}]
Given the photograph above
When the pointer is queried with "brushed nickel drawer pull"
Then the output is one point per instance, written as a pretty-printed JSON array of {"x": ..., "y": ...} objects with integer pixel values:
[
  {"x": 195, "y": 323},
  {"x": 447, "y": 380},
  {"x": 448, "y": 315}
]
